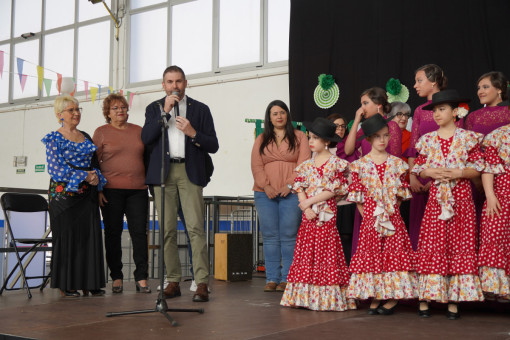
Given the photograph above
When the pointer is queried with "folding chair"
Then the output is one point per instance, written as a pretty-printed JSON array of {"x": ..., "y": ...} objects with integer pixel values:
[{"x": 36, "y": 207}]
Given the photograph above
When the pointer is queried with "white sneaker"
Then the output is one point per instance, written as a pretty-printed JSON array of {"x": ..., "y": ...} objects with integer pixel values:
[
  {"x": 165, "y": 284},
  {"x": 193, "y": 287}
]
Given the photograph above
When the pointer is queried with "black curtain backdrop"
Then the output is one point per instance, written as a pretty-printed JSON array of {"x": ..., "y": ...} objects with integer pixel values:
[{"x": 365, "y": 43}]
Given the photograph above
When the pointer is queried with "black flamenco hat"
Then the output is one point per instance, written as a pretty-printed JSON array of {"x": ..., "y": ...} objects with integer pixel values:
[
  {"x": 507, "y": 101},
  {"x": 373, "y": 124},
  {"x": 445, "y": 97},
  {"x": 323, "y": 128}
]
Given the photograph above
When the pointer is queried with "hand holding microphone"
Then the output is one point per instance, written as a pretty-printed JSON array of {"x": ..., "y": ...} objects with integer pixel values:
[{"x": 172, "y": 101}]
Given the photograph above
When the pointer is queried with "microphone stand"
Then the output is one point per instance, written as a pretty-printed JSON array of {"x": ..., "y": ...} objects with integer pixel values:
[{"x": 161, "y": 305}]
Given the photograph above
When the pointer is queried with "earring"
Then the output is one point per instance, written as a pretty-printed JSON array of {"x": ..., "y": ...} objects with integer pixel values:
[
  {"x": 378, "y": 110},
  {"x": 61, "y": 121},
  {"x": 327, "y": 147}
]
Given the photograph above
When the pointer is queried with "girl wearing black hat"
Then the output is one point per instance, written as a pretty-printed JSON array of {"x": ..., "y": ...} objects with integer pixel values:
[
  {"x": 318, "y": 276},
  {"x": 383, "y": 265},
  {"x": 447, "y": 254}
]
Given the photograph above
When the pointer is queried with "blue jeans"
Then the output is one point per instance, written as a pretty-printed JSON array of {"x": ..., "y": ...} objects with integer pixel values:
[{"x": 279, "y": 221}]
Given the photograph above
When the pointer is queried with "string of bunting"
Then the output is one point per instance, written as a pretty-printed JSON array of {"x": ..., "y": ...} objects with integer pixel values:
[{"x": 95, "y": 92}]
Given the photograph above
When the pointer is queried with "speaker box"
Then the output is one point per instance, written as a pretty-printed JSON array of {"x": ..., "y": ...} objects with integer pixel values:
[{"x": 233, "y": 257}]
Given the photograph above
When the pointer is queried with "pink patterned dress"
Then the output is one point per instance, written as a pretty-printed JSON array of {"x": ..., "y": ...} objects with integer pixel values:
[
  {"x": 447, "y": 257},
  {"x": 318, "y": 276},
  {"x": 494, "y": 255},
  {"x": 383, "y": 266}
]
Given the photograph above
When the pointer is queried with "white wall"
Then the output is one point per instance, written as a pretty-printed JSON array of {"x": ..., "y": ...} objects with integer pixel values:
[{"x": 231, "y": 98}]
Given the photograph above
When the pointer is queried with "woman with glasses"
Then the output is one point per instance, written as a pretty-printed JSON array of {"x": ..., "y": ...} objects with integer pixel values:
[
  {"x": 120, "y": 152},
  {"x": 77, "y": 255},
  {"x": 400, "y": 113},
  {"x": 345, "y": 210}
]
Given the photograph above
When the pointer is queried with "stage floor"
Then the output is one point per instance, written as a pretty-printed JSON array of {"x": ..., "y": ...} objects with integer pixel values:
[{"x": 237, "y": 310}]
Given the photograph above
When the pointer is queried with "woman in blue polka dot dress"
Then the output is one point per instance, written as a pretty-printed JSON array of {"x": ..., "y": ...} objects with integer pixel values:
[{"x": 77, "y": 257}]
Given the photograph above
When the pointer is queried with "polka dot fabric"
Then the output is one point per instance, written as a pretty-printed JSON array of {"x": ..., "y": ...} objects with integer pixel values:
[
  {"x": 447, "y": 248},
  {"x": 318, "y": 276},
  {"x": 61, "y": 151},
  {"x": 494, "y": 255},
  {"x": 383, "y": 266}
]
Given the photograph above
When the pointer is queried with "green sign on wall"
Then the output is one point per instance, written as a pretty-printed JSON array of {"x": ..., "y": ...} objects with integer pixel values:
[{"x": 39, "y": 168}]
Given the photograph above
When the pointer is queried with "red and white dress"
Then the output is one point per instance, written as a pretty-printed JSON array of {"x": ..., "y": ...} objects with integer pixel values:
[
  {"x": 494, "y": 255},
  {"x": 318, "y": 276},
  {"x": 447, "y": 257},
  {"x": 383, "y": 265}
]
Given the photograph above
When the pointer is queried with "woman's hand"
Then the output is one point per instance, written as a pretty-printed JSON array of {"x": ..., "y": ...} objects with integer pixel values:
[
  {"x": 305, "y": 204},
  {"x": 426, "y": 187},
  {"x": 92, "y": 178},
  {"x": 284, "y": 191},
  {"x": 434, "y": 173},
  {"x": 359, "y": 115},
  {"x": 310, "y": 214},
  {"x": 493, "y": 206},
  {"x": 102, "y": 199},
  {"x": 416, "y": 185},
  {"x": 270, "y": 191},
  {"x": 451, "y": 174}
]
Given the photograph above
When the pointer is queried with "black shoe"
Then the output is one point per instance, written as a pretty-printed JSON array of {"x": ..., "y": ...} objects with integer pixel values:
[
  {"x": 372, "y": 311},
  {"x": 97, "y": 292},
  {"x": 69, "y": 293},
  {"x": 142, "y": 289},
  {"x": 452, "y": 315},
  {"x": 424, "y": 313},
  {"x": 385, "y": 311}
]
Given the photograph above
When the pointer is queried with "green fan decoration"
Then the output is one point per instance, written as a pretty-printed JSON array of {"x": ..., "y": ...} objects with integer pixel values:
[
  {"x": 327, "y": 92},
  {"x": 396, "y": 91}
]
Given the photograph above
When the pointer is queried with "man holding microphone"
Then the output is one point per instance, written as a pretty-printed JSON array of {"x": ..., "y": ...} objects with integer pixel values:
[{"x": 188, "y": 168}]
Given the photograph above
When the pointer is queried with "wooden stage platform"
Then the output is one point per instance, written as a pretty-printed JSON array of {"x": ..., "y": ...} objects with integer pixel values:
[{"x": 239, "y": 310}]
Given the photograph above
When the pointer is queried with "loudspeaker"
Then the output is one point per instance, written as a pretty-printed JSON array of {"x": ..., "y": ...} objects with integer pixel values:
[{"x": 233, "y": 257}]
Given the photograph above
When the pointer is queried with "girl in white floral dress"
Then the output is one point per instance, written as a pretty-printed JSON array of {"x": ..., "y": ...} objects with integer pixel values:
[
  {"x": 383, "y": 265},
  {"x": 447, "y": 253},
  {"x": 318, "y": 276}
]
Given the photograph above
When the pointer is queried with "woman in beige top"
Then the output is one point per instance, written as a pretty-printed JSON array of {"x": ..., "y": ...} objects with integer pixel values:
[
  {"x": 275, "y": 155},
  {"x": 120, "y": 151}
]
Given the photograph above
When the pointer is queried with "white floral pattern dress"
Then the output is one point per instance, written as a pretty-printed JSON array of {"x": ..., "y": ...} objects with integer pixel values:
[
  {"x": 318, "y": 276},
  {"x": 447, "y": 254},
  {"x": 383, "y": 265},
  {"x": 494, "y": 254}
]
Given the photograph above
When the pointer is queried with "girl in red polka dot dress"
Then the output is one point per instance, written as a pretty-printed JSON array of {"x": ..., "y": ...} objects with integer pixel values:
[
  {"x": 383, "y": 265},
  {"x": 447, "y": 254},
  {"x": 494, "y": 255},
  {"x": 318, "y": 276}
]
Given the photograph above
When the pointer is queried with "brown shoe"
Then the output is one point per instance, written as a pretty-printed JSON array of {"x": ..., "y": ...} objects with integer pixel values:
[
  {"x": 201, "y": 294},
  {"x": 270, "y": 287},
  {"x": 281, "y": 287},
  {"x": 172, "y": 290}
]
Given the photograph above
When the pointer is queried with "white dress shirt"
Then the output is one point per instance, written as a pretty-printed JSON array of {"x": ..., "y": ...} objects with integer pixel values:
[{"x": 176, "y": 137}]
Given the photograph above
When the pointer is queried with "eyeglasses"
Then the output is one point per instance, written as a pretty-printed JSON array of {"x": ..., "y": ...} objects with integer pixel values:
[
  {"x": 402, "y": 114},
  {"x": 76, "y": 111},
  {"x": 117, "y": 108},
  {"x": 341, "y": 126}
]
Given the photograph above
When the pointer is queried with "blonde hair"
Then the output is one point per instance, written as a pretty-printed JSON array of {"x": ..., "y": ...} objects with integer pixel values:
[{"x": 61, "y": 102}]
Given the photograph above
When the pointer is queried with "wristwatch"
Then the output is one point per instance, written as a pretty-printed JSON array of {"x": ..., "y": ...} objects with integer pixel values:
[{"x": 289, "y": 186}]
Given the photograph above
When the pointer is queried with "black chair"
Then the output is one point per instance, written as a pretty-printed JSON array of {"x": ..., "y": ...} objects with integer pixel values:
[{"x": 25, "y": 204}]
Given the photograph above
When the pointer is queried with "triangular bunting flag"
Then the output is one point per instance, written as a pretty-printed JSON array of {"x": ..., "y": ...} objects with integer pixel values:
[
  {"x": 23, "y": 81},
  {"x": 110, "y": 90},
  {"x": 59, "y": 82},
  {"x": 47, "y": 86},
  {"x": 74, "y": 90},
  {"x": 20, "y": 69},
  {"x": 40, "y": 75},
  {"x": 127, "y": 97},
  {"x": 121, "y": 92},
  {"x": 131, "y": 95},
  {"x": 1, "y": 64},
  {"x": 99, "y": 92},
  {"x": 93, "y": 93},
  {"x": 86, "y": 83}
]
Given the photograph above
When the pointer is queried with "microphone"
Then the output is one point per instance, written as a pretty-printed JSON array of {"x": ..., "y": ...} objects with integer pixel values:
[
  {"x": 176, "y": 105},
  {"x": 163, "y": 114}
]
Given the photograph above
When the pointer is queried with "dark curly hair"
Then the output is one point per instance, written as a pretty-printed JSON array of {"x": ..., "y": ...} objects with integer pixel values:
[
  {"x": 107, "y": 103},
  {"x": 268, "y": 136},
  {"x": 434, "y": 74}
]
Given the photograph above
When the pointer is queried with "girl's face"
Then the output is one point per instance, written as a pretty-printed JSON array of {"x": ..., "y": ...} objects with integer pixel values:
[
  {"x": 316, "y": 143},
  {"x": 444, "y": 114},
  {"x": 380, "y": 139},
  {"x": 369, "y": 107},
  {"x": 488, "y": 94},
  {"x": 278, "y": 117},
  {"x": 423, "y": 86},
  {"x": 341, "y": 127}
]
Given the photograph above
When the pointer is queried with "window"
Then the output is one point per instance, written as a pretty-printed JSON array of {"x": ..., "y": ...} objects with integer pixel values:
[{"x": 73, "y": 43}]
